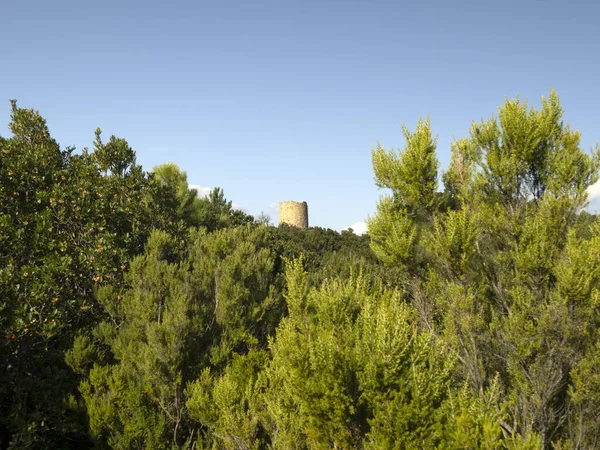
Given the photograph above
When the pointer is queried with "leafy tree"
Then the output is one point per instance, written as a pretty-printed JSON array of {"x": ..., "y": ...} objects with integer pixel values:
[
  {"x": 213, "y": 212},
  {"x": 45, "y": 280},
  {"x": 466, "y": 318},
  {"x": 411, "y": 176},
  {"x": 69, "y": 222},
  {"x": 230, "y": 406},
  {"x": 352, "y": 369},
  {"x": 222, "y": 214},
  {"x": 505, "y": 269},
  {"x": 325, "y": 252},
  {"x": 191, "y": 310},
  {"x": 190, "y": 207}
]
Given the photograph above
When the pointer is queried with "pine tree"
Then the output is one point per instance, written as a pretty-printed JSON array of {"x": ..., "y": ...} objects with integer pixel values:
[{"x": 505, "y": 281}]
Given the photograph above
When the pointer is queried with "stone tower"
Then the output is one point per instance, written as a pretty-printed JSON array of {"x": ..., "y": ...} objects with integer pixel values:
[{"x": 294, "y": 214}]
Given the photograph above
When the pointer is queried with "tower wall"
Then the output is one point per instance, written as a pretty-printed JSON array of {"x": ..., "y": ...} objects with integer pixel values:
[{"x": 294, "y": 214}]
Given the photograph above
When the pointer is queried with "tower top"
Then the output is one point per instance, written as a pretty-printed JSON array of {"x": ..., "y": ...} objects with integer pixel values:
[{"x": 294, "y": 214}]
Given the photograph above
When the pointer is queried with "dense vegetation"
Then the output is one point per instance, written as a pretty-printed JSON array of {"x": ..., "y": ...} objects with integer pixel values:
[{"x": 136, "y": 315}]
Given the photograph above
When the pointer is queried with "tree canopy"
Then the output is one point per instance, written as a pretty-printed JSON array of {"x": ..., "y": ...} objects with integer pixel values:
[{"x": 137, "y": 314}]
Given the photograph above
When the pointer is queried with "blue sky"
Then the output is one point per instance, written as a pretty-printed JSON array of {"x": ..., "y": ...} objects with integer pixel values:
[{"x": 283, "y": 100}]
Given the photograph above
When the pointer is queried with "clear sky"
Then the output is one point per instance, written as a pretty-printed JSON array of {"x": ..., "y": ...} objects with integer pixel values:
[{"x": 283, "y": 100}]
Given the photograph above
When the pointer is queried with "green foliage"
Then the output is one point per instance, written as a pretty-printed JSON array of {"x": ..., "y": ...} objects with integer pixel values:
[
  {"x": 585, "y": 394},
  {"x": 68, "y": 223},
  {"x": 230, "y": 406},
  {"x": 187, "y": 312},
  {"x": 460, "y": 176},
  {"x": 189, "y": 206},
  {"x": 412, "y": 173},
  {"x": 212, "y": 213},
  {"x": 137, "y": 315},
  {"x": 350, "y": 367},
  {"x": 504, "y": 270},
  {"x": 393, "y": 234},
  {"x": 236, "y": 271},
  {"x": 453, "y": 240},
  {"x": 528, "y": 152},
  {"x": 326, "y": 253},
  {"x": 222, "y": 214}
]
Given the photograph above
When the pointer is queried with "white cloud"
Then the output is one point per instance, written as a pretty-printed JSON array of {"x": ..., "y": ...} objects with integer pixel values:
[
  {"x": 203, "y": 192},
  {"x": 593, "y": 191},
  {"x": 358, "y": 228}
]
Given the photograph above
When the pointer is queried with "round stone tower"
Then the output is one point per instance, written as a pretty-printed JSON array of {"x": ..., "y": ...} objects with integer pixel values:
[{"x": 294, "y": 214}]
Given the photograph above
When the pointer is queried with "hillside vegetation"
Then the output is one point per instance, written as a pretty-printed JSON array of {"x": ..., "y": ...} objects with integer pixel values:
[{"x": 135, "y": 314}]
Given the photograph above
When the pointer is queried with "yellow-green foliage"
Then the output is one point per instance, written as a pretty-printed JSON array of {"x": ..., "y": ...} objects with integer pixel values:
[
  {"x": 504, "y": 271},
  {"x": 136, "y": 315}
]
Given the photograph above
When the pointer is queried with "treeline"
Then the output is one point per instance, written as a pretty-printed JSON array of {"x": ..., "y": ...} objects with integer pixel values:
[{"x": 136, "y": 315}]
